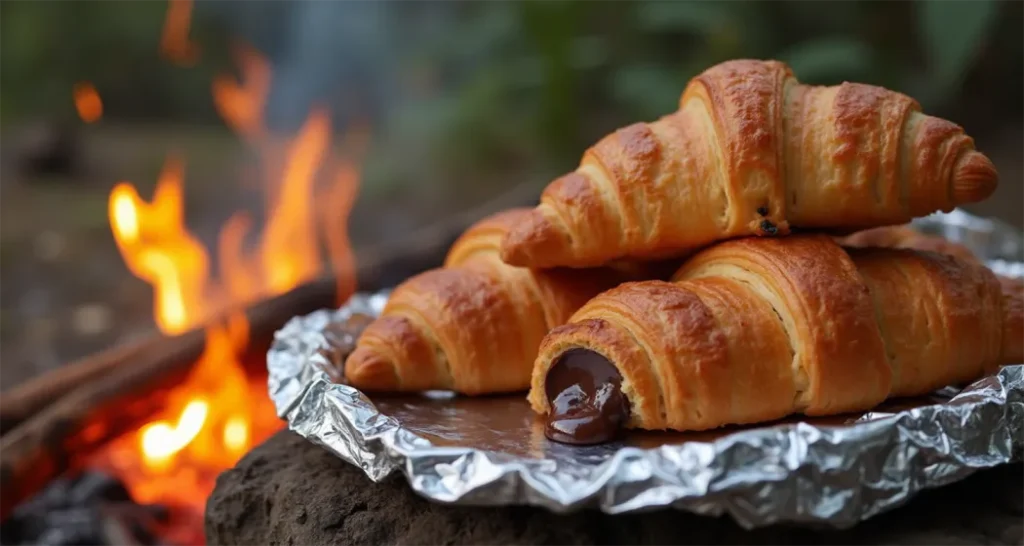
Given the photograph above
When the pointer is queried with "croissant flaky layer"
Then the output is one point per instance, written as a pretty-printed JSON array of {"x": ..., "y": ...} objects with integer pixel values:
[
  {"x": 474, "y": 325},
  {"x": 755, "y": 329},
  {"x": 751, "y": 151}
]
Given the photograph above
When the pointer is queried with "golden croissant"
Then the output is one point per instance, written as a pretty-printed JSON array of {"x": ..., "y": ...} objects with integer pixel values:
[
  {"x": 755, "y": 329},
  {"x": 474, "y": 325},
  {"x": 751, "y": 151}
]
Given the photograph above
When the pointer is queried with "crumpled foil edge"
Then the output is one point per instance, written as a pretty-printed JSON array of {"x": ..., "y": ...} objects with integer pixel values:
[{"x": 799, "y": 473}]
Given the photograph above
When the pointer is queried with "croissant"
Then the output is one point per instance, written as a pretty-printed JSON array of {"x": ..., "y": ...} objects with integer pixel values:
[
  {"x": 908, "y": 237},
  {"x": 751, "y": 151},
  {"x": 905, "y": 236},
  {"x": 754, "y": 329},
  {"x": 474, "y": 325}
]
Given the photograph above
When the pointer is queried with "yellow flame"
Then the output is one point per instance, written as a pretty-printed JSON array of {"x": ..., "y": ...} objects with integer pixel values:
[
  {"x": 236, "y": 434},
  {"x": 162, "y": 440},
  {"x": 157, "y": 248}
]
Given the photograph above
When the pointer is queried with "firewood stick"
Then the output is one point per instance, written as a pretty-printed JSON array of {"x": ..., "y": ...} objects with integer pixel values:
[
  {"x": 49, "y": 440},
  {"x": 38, "y": 392}
]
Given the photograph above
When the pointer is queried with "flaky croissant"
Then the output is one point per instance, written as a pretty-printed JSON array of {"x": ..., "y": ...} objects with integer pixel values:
[
  {"x": 751, "y": 151},
  {"x": 474, "y": 325},
  {"x": 755, "y": 329}
]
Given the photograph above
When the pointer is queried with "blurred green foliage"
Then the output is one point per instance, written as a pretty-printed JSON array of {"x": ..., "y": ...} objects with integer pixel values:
[
  {"x": 46, "y": 47},
  {"x": 493, "y": 86},
  {"x": 559, "y": 75}
]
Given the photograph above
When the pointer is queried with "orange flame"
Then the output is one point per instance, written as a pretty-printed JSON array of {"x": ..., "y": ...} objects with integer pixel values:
[
  {"x": 217, "y": 414},
  {"x": 174, "y": 43},
  {"x": 87, "y": 102},
  {"x": 289, "y": 250},
  {"x": 241, "y": 105}
]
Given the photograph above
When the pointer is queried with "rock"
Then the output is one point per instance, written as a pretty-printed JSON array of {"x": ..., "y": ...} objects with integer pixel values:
[{"x": 288, "y": 491}]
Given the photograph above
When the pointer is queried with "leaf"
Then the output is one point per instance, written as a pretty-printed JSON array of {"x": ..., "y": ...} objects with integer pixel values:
[
  {"x": 829, "y": 60},
  {"x": 953, "y": 32}
]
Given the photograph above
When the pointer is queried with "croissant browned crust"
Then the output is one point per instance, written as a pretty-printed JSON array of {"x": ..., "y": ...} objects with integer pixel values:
[
  {"x": 474, "y": 325},
  {"x": 751, "y": 151},
  {"x": 755, "y": 329}
]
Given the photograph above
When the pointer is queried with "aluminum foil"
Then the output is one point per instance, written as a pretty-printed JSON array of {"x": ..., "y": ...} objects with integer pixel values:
[{"x": 492, "y": 451}]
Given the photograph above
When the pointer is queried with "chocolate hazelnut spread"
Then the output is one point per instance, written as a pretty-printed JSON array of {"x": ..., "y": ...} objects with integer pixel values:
[{"x": 587, "y": 403}]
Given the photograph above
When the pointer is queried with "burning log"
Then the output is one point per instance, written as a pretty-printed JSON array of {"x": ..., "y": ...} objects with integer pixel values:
[
  {"x": 120, "y": 399},
  {"x": 115, "y": 392},
  {"x": 35, "y": 394}
]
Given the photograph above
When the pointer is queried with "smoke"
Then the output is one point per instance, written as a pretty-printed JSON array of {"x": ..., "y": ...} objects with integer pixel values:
[
  {"x": 335, "y": 54},
  {"x": 343, "y": 55}
]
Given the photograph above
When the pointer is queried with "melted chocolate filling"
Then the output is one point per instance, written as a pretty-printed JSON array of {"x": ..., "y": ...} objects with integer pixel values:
[{"x": 587, "y": 403}]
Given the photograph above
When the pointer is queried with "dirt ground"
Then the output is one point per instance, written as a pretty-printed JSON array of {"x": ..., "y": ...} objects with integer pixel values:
[{"x": 65, "y": 292}]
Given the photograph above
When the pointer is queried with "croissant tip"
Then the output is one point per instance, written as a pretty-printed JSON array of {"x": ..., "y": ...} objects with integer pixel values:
[
  {"x": 532, "y": 243},
  {"x": 511, "y": 250},
  {"x": 974, "y": 178},
  {"x": 367, "y": 370}
]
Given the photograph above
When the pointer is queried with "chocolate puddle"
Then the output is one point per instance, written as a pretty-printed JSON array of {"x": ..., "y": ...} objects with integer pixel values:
[{"x": 587, "y": 403}]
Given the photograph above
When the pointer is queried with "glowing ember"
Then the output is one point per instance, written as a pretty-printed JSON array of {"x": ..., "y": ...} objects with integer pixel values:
[
  {"x": 219, "y": 412},
  {"x": 174, "y": 43},
  {"x": 87, "y": 102}
]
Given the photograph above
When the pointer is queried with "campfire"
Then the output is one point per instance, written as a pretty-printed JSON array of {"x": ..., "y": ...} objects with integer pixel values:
[
  {"x": 220, "y": 409},
  {"x": 124, "y": 446},
  {"x": 219, "y": 412}
]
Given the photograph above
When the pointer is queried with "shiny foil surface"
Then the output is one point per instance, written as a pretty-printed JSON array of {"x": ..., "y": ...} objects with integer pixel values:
[{"x": 833, "y": 471}]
